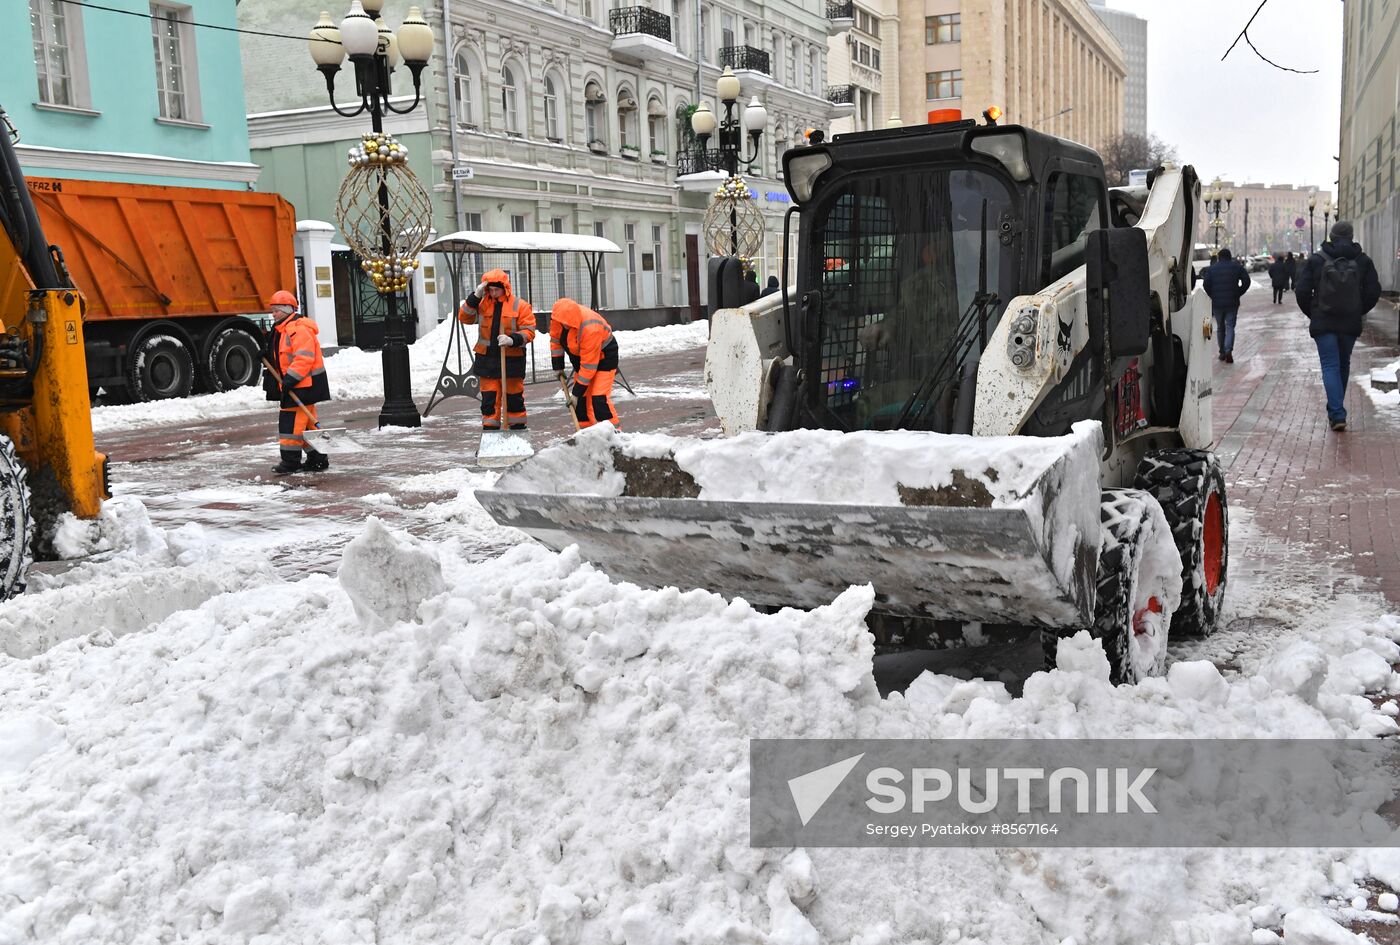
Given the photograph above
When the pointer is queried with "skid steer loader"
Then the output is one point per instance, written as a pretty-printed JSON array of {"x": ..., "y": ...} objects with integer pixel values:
[
  {"x": 48, "y": 464},
  {"x": 974, "y": 282}
]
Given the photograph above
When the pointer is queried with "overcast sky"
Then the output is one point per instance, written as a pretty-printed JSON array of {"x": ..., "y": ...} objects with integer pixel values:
[{"x": 1243, "y": 119}]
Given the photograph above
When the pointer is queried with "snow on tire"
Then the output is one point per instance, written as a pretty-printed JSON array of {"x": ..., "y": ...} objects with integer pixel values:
[
  {"x": 1138, "y": 587},
  {"x": 16, "y": 523},
  {"x": 1190, "y": 487}
]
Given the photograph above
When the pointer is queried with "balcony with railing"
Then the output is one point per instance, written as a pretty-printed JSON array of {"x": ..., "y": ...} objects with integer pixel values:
[
  {"x": 640, "y": 33},
  {"x": 695, "y": 161},
  {"x": 753, "y": 66},
  {"x": 842, "y": 99},
  {"x": 840, "y": 16}
]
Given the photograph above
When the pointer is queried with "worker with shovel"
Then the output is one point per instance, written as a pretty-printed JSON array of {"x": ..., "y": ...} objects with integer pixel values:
[
  {"x": 507, "y": 326},
  {"x": 296, "y": 355},
  {"x": 586, "y": 337}
]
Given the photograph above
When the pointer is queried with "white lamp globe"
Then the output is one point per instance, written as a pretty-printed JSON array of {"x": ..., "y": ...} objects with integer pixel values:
[
  {"x": 324, "y": 42},
  {"x": 702, "y": 122},
  {"x": 358, "y": 34},
  {"x": 728, "y": 85},
  {"x": 755, "y": 117},
  {"x": 415, "y": 37}
]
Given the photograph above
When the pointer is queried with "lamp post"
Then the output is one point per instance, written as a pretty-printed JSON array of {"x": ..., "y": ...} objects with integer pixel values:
[
  {"x": 729, "y": 155},
  {"x": 375, "y": 52},
  {"x": 1326, "y": 215},
  {"x": 1312, "y": 206},
  {"x": 1214, "y": 198}
]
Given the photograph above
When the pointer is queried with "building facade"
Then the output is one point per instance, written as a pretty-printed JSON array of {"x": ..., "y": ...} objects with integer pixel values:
[
  {"x": 140, "y": 92},
  {"x": 1369, "y": 185},
  {"x": 1131, "y": 32},
  {"x": 863, "y": 64},
  {"x": 1048, "y": 64},
  {"x": 569, "y": 116},
  {"x": 1278, "y": 218}
]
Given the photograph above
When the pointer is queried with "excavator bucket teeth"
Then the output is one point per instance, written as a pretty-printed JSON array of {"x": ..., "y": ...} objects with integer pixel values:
[{"x": 1022, "y": 551}]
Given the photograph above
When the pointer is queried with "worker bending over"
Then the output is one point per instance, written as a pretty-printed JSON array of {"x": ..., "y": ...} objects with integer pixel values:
[
  {"x": 296, "y": 353},
  {"x": 587, "y": 339},
  {"x": 506, "y": 322}
]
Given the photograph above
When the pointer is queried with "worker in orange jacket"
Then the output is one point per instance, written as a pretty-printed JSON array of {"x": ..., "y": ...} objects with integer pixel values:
[
  {"x": 585, "y": 336},
  {"x": 296, "y": 352},
  {"x": 506, "y": 322}
]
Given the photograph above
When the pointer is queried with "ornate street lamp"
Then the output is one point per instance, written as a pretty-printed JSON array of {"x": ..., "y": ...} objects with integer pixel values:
[
  {"x": 383, "y": 210},
  {"x": 728, "y": 157},
  {"x": 1312, "y": 207},
  {"x": 1326, "y": 215},
  {"x": 1216, "y": 202}
]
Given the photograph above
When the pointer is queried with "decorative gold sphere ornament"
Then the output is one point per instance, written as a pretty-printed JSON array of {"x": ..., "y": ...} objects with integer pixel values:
[
  {"x": 733, "y": 224},
  {"x": 406, "y": 213}
]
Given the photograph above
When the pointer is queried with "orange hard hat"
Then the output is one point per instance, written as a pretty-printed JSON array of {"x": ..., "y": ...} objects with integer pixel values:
[{"x": 283, "y": 297}]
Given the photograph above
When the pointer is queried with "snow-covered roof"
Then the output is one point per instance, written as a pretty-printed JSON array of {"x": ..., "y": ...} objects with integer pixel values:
[{"x": 481, "y": 241}]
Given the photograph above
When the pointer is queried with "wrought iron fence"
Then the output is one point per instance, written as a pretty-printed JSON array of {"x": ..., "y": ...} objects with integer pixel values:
[
  {"x": 745, "y": 57},
  {"x": 836, "y": 10},
  {"x": 696, "y": 161},
  {"x": 841, "y": 94},
  {"x": 628, "y": 20}
]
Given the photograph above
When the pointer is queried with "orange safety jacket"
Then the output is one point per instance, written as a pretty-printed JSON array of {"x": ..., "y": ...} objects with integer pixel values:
[
  {"x": 298, "y": 356},
  {"x": 509, "y": 316},
  {"x": 585, "y": 336}
]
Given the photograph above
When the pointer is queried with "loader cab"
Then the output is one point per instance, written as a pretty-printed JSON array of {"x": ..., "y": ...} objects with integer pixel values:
[{"x": 912, "y": 242}]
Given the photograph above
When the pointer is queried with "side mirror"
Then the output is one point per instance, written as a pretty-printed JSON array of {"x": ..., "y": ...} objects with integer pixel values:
[
  {"x": 1119, "y": 291},
  {"x": 726, "y": 283}
]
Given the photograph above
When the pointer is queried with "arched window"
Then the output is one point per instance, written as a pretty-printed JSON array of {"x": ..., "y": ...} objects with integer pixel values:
[
  {"x": 627, "y": 132},
  {"x": 595, "y": 119},
  {"x": 794, "y": 63},
  {"x": 467, "y": 92},
  {"x": 553, "y": 120},
  {"x": 656, "y": 126},
  {"x": 510, "y": 101}
]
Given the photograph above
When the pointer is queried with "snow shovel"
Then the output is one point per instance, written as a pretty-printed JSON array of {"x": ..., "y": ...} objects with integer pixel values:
[
  {"x": 569, "y": 402},
  {"x": 322, "y": 439},
  {"x": 503, "y": 447}
]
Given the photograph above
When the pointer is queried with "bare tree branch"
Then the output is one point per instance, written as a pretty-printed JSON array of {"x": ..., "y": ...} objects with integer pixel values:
[{"x": 1244, "y": 35}]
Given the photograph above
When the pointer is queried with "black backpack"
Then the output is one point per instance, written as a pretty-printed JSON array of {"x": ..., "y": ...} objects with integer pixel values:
[{"x": 1338, "y": 288}]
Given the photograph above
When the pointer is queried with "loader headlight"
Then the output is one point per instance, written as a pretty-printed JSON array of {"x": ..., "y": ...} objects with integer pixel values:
[
  {"x": 801, "y": 171},
  {"x": 1020, "y": 341}
]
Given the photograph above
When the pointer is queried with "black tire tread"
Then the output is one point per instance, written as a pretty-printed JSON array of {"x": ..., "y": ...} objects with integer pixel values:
[
  {"x": 1181, "y": 480},
  {"x": 16, "y": 522}
]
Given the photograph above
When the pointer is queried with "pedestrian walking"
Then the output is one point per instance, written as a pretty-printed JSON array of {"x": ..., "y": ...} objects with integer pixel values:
[
  {"x": 1225, "y": 281},
  {"x": 1278, "y": 278},
  {"x": 1336, "y": 287},
  {"x": 586, "y": 338},
  {"x": 771, "y": 287},
  {"x": 295, "y": 350},
  {"x": 1292, "y": 262},
  {"x": 508, "y": 322}
]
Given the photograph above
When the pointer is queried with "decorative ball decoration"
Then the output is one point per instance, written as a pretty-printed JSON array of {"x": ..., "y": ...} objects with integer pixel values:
[
  {"x": 380, "y": 162},
  {"x": 377, "y": 148},
  {"x": 733, "y": 224}
]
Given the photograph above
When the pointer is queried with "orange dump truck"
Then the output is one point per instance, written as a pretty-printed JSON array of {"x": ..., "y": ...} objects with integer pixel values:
[{"x": 175, "y": 279}]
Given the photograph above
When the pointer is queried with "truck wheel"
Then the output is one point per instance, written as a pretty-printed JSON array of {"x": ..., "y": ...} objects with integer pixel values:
[
  {"x": 160, "y": 368},
  {"x": 16, "y": 523},
  {"x": 234, "y": 360},
  {"x": 1130, "y": 619},
  {"x": 1190, "y": 487}
]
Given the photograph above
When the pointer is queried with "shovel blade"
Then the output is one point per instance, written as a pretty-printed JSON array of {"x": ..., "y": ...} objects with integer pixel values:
[
  {"x": 503, "y": 448},
  {"x": 331, "y": 440}
]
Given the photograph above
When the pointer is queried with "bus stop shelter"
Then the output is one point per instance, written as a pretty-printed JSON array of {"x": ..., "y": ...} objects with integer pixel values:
[{"x": 468, "y": 254}]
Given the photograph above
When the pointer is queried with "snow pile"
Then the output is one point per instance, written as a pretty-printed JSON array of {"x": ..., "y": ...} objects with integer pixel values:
[
  {"x": 1383, "y": 398},
  {"x": 537, "y": 754}
]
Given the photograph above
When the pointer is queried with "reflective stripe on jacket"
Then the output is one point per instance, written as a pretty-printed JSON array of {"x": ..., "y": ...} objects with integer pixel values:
[
  {"x": 510, "y": 316},
  {"x": 300, "y": 360},
  {"x": 585, "y": 336}
]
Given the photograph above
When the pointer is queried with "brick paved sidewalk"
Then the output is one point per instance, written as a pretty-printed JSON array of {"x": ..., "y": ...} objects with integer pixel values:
[{"x": 1317, "y": 497}]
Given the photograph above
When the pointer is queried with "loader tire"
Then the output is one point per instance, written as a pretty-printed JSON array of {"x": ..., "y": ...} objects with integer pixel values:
[
  {"x": 1190, "y": 487},
  {"x": 1131, "y": 629},
  {"x": 161, "y": 367},
  {"x": 16, "y": 522}
]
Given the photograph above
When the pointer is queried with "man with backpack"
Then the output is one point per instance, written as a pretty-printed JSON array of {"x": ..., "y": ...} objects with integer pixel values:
[
  {"x": 1225, "y": 281},
  {"x": 1336, "y": 287}
]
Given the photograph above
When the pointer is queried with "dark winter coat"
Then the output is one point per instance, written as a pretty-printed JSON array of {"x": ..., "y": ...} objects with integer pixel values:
[
  {"x": 1292, "y": 265},
  {"x": 1346, "y": 323},
  {"x": 1225, "y": 281},
  {"x": 771, "y": 287},
  {"x": 1278, "y": 273}
]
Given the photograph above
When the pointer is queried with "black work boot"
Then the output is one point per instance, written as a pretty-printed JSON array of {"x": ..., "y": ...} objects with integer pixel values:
[
  {"x": 517, "y": 426},
  {"x": 291, "y": 463},
  {"x": 316, "y": 461}
]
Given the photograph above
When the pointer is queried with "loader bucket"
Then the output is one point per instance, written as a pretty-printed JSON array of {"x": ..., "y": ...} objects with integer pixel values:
[{"x": 996, "y": 529}]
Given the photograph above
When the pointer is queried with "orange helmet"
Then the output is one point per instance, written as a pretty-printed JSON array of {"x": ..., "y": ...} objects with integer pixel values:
[{"x": 283, "y": 297}]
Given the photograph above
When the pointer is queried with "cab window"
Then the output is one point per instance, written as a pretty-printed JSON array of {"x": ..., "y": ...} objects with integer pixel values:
[{"x": 1073, "y": 210}]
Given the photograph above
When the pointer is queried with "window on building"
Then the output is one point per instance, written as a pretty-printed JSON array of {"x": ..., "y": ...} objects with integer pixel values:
[
  {"x": 875, "y": 59},
  {"x": 588, "y": 9},
  {"x": 943, "y": 29},
  {"x": 627, "y": 121},
  {"x": 510, "y": 99},
  {"x": 551, "y": 110},
  {"x": 777, "y": 58},
  {"x": 1073, "y": 210},
  {"x": 794, "y": 63},
  {"x": 59, "y": 57},
  {"x": 599, "y": 231},
  {"x": 656, "y": 126},
  {"x": 656, "y": 261},
  {"x": 630, "y": 236},
  {"x": 477, "y": 263},
  {"x": 556, "y": 225},
  {"x": 814, "y": 70},
  {"x": 466, "y": 94},
  {"x": 750, "y": 34},
  {"x": 595, "y": 123},
  {"x": 706, "y": 39},
  {"x": 944, "y": 84},
  {"x": 726, "y": 30},
  {"x": 174, "y": 58}
]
